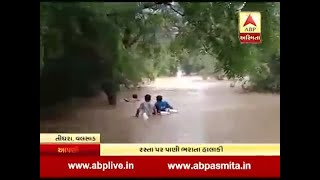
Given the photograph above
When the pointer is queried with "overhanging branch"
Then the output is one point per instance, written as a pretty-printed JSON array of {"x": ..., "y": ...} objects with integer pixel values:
[
  {"x": 152, "y": 6},
  {"x": 178, "y": 12},
  {"x": 145, "y": 6}
]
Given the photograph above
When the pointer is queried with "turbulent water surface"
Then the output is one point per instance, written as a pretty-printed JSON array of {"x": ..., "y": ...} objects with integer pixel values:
[{"x": 209, "y": 112}]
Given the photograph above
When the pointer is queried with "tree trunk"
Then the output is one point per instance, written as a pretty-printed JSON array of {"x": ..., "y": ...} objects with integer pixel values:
[{"x": 112, "y": 98}]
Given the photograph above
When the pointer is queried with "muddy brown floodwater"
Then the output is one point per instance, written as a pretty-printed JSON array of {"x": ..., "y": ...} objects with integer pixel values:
[{"x": 209, "y": 112}]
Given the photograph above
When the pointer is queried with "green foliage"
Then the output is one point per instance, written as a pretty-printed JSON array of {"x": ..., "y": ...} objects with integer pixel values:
[
  {"x": 213, "y": 27},
  {"x": 93, "y": 44}
]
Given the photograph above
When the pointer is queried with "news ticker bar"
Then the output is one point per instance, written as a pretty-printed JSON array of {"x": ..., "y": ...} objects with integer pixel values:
[
  {"x": 159, "y": 166},
  {"x": 189, "y": 149},
  {"x": 161, "y": 149},
  {"x": 89, "y": 144}
]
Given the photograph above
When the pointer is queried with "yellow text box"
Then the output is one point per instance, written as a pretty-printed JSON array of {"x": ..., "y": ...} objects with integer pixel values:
[{"x": 190, "y": 149}]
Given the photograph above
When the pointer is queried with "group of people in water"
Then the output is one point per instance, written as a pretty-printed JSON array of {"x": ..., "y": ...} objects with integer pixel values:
[{"x": 148, "y": 108}]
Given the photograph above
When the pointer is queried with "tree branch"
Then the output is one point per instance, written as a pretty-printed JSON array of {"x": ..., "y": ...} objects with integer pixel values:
[
  {"x": 207, "y": 49},
  {"x": 178, "y": 12},
  {"x": 134, "y": 40},
  {"x": 153, "y": 5},
  {"x": 144, "y": 6},
  {"x": 128, "y": 41}
]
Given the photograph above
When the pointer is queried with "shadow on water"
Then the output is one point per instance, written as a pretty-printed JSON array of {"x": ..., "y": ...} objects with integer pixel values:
[{"x": 209, "y": 112}]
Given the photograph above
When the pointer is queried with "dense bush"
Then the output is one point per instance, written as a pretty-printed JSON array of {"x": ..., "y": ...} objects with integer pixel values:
[{"x": 85, "y": 47}]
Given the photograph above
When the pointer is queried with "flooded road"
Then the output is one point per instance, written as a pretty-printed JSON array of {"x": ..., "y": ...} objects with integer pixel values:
[{"x": 209, "y": 112}]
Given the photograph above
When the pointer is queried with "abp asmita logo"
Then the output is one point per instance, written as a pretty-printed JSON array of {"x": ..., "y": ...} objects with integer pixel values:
[{"x": 250, "y": 27}]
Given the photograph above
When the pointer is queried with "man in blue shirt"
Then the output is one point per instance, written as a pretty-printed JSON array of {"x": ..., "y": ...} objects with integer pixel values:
[{"x": 162, "y": 105}]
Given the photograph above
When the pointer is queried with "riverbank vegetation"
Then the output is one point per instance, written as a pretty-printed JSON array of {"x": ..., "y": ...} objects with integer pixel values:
[{"x": 86, "y": 47}]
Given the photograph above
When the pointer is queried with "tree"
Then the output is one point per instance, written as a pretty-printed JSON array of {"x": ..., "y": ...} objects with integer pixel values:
[{"x": 91, "y": 45}]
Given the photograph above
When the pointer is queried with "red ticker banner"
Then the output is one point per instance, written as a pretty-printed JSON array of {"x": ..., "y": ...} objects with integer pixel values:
[
  {"x": 70, "y": 149},
  {"x": 82, "y": 155},
  {"x": 159, "y": 166}
]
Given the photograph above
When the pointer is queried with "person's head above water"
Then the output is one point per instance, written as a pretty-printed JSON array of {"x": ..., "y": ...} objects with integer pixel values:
[
  {"x": 159, "y": 98},
  {"x": 147, "y": 97},
  {"x": 134, "y": 96}
]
